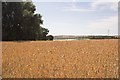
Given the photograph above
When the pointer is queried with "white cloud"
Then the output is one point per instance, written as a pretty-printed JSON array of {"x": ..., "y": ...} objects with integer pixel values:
[
  {"x": 105, "y": 24},
  {"x": 74, "y": 8},
  {"x": 95, "y": 5},
  {"x": 78, "y": 10},
  {"x": 52, "y": 0},
  {"x": 98, "y": 4},
  {"x": 107, "y": 0},
  {"x": 73, "y": 0}
]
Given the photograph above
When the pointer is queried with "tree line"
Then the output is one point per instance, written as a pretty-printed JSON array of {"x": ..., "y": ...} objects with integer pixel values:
[{"x": 19, "y": 22}]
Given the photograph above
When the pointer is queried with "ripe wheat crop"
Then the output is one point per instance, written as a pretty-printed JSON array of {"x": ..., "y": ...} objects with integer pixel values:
[{"x": 60, "y": 59}]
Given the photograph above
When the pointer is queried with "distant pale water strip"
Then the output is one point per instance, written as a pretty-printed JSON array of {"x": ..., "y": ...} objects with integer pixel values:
[
  {"x": 63, "y": 39},
  {"x": 68, "y": 39}
]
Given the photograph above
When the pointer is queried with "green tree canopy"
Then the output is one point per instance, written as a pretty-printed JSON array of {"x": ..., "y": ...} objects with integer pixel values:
[{"x": 19, "y": 22}]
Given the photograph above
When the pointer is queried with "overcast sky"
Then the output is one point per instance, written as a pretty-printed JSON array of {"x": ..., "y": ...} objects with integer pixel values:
[{"x": 91, "y": 17}]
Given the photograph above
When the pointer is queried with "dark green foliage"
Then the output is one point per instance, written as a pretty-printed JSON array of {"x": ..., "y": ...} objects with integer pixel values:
[
  {"x": 19, "y": 22},
  {"x": 50, "y": 37}
]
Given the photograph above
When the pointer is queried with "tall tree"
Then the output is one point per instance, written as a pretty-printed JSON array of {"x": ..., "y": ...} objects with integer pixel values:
[
  {"x": 11, "y": 20},
  {"x": 21, "y": 23}
]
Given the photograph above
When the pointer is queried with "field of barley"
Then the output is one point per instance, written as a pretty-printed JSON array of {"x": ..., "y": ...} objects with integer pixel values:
[{"x": 60, "y": 59}]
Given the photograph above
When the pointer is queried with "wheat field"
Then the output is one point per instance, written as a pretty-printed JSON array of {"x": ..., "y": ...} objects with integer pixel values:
[{"x": 60, "y": 59}]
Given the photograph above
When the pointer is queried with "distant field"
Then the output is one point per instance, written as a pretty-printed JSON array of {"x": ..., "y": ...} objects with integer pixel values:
[{"x": 60, "y": 59}]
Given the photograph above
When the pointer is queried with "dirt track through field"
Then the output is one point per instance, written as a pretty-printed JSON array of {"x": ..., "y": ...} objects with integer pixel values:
[{"x": 60, "y": 59}]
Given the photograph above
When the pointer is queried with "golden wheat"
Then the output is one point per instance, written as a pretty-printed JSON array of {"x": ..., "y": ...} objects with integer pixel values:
[{"x": 60, "y": 59}]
